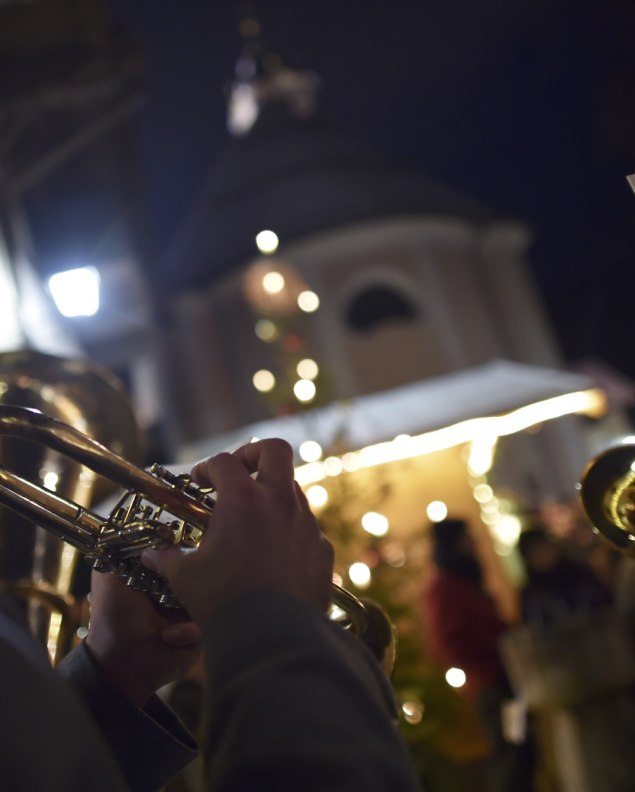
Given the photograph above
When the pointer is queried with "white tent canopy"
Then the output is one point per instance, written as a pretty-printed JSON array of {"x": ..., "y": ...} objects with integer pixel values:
[{"x": 494, "y": 388}]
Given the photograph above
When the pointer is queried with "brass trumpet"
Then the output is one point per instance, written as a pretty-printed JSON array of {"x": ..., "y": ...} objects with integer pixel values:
[
  {"x": 157, "y": 507},
  {"x": 607, "y": 492}
]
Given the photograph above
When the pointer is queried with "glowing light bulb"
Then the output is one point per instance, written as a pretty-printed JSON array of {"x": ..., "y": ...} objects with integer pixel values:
[
  {"x": 307, "y": 369},
  {"x": 273, "y": 282},
  {"x": 359, "y": 573},
  {"x": 436, "y": 511},
  {"x": 317, "y": 496},
  {"x": 267, "y": 241},
  {"x": 310, "y": 451},
  {"x": 455, "y": 677},
  {"x": 333, "y": 466},
  {"x": 304, "y": 390},
  {"x": 263, "y": 381},
  {"x": 308, "y": 301},
  {"x": 266, "y": 330},
  {"x": 375, "y": 524}
]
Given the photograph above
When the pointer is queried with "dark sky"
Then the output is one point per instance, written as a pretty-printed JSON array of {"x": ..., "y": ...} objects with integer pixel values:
[{"x": 526, "y": 106}]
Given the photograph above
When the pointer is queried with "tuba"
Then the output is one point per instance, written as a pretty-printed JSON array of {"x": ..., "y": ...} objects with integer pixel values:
[
  {"x": 607, "y": 492},
  {"x": 36, "y": 570},
  {"x": 156, "y": 507}
]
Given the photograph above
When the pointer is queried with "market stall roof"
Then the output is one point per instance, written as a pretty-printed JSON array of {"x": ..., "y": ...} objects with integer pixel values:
[{"x": 495, "y": 388}]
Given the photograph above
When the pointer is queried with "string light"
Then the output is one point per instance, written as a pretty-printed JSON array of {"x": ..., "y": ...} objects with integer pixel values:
[
  {"x": 455, "y": 677},
  {"x": 317, "y": 496},
  {"x": 273, "y": 282},
  {"x": 266, "y": 330},
  {"x": 332, "y": 466},
  {"x": 436, "y": 511},
  {"x": 307, "y": 369},
  {"x": 375, "y": 524},
  {"x": 310, "y": 451},
  {"x": 264, "y": 381},
  {"x": 308, "y": 301},
  {"x": 304, "y": 390},
  {"x": 359, "y": 573},
  {"x": 267, "y": 242},
  {"x": 589, "y": 402}
]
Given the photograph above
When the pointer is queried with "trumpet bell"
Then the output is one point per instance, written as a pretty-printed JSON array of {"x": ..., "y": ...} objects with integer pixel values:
[{"x": 607, "y": 493}]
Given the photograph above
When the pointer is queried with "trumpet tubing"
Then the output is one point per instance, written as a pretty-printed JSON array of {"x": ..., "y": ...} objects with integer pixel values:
[{"x": 157, "y": 507}]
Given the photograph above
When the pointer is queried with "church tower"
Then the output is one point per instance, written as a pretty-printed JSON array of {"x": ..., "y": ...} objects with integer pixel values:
[{"x": 406, "y": 279}]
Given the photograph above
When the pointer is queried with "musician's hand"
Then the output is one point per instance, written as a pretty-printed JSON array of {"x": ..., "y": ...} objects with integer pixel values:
[
  {"x": 139, "y": 645},
  {"x": 262, "y": 535}
]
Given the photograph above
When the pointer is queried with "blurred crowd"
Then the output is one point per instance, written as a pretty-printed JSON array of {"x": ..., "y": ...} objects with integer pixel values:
[{"x": 555, "y": 690}]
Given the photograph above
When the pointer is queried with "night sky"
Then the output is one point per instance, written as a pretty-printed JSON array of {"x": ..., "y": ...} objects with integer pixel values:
[{"x": 528, "y": 107}]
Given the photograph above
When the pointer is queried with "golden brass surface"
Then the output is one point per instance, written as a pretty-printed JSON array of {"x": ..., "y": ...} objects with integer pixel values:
[
  {"x": 34, "y": 565},
  {"x": 156, "y": 507},
  {"x": 607, "y": 492}
]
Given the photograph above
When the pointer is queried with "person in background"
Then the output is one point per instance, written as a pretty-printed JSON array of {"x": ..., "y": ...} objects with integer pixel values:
[
  {"x": 292, "y": 701},
  {"x": 462, "y": 630},
  {"x": 556, "y": 585}
]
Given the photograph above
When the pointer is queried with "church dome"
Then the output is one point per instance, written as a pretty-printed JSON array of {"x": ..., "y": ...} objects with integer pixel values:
[{"x": 288, "y": 172}]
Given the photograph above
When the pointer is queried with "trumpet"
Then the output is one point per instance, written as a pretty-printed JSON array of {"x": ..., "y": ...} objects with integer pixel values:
[
  {"x": 156, "y": 507},
  {"x": 607, "y": 492}
]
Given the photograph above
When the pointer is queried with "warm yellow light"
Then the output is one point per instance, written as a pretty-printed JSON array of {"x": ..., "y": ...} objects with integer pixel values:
[
  {"x": 55, "y": 625},
  {"x": 317, "y": 496},
  {"x": 263, "y": 381},
  {"x": 359, "y": 573},
  {"x": 481, "y": 455},
  {"x": 308, "y": 301},
  {"x": 304, "y": 390},
  {"x": 51, "y": 480},
  {"x": 266, "y": 330},
  {"x": 333, "y": 466},
  {"x": 590, "y": 402},
  {"x": 483, "y": 493},
  {"x": 394, "y": 554},
  {"x": 412, "y": 711},
  {"x": 66, "y": 570},
  {"x": 310, "y": 451},
  {"x": 267, "y": 241},
  {"x": 490, "y": 506},
  {"x": 455, "y": 677},
  {"x": 350, "y": 462},
  {"x": 506, "y": 529},
  {"x": 375, "y": 523},
  {"x": 273, "y": 282},
  {"x": 436, "y": 511},
  {"x": 307, "y": 369}
]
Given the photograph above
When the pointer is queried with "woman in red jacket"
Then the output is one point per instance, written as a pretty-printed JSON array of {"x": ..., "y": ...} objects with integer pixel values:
[{"x": 462, "y": 630}]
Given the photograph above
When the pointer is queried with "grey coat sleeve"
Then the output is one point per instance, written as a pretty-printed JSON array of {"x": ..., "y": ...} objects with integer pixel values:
[
  {"x": 294, "y": 702},
  {"x": 150, "y": 745}
]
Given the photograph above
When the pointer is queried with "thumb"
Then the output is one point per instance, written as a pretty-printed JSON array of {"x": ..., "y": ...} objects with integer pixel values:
[{"x": 163, "y": 560}]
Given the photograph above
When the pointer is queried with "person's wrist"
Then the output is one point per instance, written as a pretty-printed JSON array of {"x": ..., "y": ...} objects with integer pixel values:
[{"x": 121, "y": 676}]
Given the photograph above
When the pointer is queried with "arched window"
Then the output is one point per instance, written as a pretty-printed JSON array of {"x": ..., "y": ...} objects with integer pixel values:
[{"x": 378, "y": 305}]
